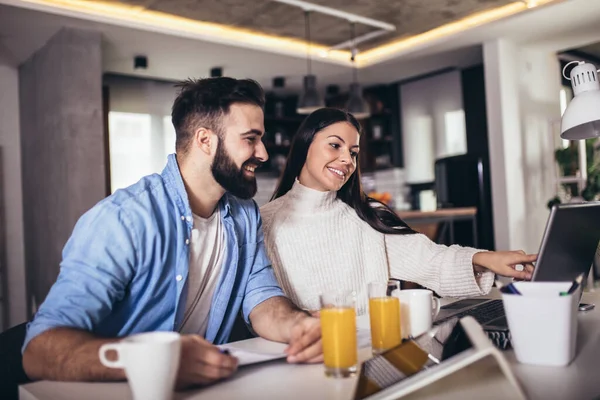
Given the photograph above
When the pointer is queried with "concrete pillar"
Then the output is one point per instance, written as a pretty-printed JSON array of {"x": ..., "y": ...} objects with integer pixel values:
[
  {"x": 62, "y": 145},
  {"x": 14, "y": 271}
]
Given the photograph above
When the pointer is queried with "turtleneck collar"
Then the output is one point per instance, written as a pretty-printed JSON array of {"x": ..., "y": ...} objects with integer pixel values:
[{"x": 310, "y": 200}]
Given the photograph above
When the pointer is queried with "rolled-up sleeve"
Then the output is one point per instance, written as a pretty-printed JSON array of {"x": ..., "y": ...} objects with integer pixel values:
[
  {"x": 262, "y": 284},
  {"x": 98, "y": 264}
]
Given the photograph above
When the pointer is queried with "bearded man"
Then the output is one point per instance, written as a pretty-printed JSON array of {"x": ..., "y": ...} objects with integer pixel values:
[{"x": 180, "y": 251}]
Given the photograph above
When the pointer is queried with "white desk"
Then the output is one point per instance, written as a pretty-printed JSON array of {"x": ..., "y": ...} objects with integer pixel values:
[{"x": 580, "y": 380}]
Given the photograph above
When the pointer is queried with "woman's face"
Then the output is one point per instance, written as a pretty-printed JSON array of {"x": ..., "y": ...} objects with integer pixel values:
[{"x": 331, "y": 158}]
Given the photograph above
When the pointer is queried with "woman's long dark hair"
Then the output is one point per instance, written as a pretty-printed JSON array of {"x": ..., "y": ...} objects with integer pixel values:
[{"x": 375, "y": 213}]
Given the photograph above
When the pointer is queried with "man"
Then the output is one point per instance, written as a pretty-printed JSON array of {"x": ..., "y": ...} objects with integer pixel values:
[{"x": 178, "y": 251}]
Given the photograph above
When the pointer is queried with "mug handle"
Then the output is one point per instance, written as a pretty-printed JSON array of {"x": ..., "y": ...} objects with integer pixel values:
[
  {"x": 435, "y": 307},
  {"x": 106, "y": 362}
]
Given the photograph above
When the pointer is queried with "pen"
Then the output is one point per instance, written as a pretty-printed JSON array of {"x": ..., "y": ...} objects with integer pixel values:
[
  {"x": 508, "y": 289},
  {"x": 574, "y": 285}
]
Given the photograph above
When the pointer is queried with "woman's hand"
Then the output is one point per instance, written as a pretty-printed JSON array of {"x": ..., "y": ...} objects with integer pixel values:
[{"x": 504, "y": 263}]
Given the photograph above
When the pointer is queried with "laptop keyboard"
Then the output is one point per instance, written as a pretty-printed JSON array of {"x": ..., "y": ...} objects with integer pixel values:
[{"x": 483, "y": 313}]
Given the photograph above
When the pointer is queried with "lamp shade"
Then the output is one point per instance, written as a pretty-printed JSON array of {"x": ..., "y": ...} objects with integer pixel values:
[
  {"x": 310, "y": 100},
  {"x": 356, "y": 105},
  {"x": 581, "y": 119}
]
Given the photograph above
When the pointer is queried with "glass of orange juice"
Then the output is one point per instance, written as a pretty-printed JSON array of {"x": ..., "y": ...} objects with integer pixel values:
[
  {"x": 338, "y": 331},
  {"x": 384, "y": 314}
]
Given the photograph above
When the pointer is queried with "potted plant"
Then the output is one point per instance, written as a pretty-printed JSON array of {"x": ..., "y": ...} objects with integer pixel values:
[{"x": 568, "y": 162}]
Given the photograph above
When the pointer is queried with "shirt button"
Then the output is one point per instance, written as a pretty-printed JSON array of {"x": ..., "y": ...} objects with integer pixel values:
[
  {"x": 189, "y": 219},
  {"x": 178, "y": 278},
  {"x": 182, "y": 218},
  {"x": 187, "y": 241}
]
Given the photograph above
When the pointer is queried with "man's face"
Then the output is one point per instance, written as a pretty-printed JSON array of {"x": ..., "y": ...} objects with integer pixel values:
[{"x": 240, "y": 150}]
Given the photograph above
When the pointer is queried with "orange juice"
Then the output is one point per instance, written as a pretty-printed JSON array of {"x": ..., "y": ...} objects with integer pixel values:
[
  {"x": 338, "y": 329},
  {"x": 384, "y": 313}
]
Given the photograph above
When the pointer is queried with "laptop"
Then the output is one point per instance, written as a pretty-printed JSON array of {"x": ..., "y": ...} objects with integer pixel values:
[{"x": 569, "y": 247}]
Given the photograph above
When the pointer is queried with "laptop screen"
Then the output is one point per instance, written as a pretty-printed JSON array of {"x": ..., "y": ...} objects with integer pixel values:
[
  {"x": 570, "y": 242},
  {"x": 411, "y": 357}
]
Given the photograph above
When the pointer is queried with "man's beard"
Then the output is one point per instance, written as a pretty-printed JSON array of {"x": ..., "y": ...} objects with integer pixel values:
[{"x": 232, "y": 178}]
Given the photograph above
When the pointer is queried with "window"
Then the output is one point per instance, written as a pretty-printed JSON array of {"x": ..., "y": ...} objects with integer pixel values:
[{"x": 139, "y": 145}]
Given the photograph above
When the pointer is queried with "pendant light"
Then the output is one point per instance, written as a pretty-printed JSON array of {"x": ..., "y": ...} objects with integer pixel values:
[
  {"x": 310, "y": 100},
  {"x": 356, "y": 105}
]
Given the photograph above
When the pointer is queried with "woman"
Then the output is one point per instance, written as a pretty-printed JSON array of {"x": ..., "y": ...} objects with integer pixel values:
[{"x": 323, "y": 233}]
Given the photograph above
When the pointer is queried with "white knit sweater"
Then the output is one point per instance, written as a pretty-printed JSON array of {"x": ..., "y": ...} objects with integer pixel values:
[{"x": 317, "y": 243}]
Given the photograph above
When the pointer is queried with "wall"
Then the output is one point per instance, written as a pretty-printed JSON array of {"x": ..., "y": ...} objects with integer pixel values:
[
  {"x": 139, "y": 95},
  {"x": 11, "y": 149},
  {"x": 522, "y": 95},
  {"x": 62, "y": 147},
  {"x": 433, "y": 123}
]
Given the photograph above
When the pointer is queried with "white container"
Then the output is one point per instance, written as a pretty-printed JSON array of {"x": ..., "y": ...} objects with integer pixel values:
[{"x": 543, "y": 324}]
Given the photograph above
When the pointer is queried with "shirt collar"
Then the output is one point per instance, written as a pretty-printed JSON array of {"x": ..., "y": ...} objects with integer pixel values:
[{"x": 173, "y": 180}]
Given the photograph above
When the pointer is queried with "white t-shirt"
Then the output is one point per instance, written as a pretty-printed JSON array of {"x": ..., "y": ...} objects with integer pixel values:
[{"x": 207, "y": 248}]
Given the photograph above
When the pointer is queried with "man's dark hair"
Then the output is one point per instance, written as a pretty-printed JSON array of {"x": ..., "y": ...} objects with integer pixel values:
[{"x": 204, "y": 103}]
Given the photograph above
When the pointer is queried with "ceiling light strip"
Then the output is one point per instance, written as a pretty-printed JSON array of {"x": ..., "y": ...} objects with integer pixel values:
[
  {"x": 306, "y": 6},
  {"x": 404, "y": 45},
  {"x": 137, "y": 17}
]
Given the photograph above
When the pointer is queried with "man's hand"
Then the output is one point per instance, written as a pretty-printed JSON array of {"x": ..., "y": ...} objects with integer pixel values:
[
  {"x": 504, "y": 263},
  {"x": 278, "y": 319},
  {"x": 202, "y": 363},
  {"x": 305, "y": 341}
]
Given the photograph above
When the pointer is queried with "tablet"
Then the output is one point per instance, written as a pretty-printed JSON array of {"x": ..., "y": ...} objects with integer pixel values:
[{"x": 417, "y": 362}]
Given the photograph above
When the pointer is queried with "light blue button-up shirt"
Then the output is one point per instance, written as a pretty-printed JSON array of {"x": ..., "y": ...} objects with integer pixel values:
[{"x": 125, "y": 267}]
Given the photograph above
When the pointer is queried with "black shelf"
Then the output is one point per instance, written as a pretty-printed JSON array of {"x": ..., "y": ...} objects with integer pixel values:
[
  {"x": 279, "y": 132},
  {"x": 381, "y": 115},
  {"x": 386, "y": 140},
  {"x": 380, "y": 131},
  {"x": 284, "y": 120},
  {"x": 266, "y": 173},
  {"x": 278, "y": 148}
]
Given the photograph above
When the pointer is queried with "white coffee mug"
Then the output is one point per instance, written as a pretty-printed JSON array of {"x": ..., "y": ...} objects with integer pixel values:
[
  {"x": 418, "y": 308},
  {"x": 150, "y": 361}
]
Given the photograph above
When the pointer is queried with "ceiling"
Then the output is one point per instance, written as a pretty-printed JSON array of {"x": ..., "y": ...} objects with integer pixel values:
[
  {"x": 174, "y": 55},
  {"x": 591, "y": 50},
  {"x": 24, "y": 31},
  {"x": 410, "y": 17}
]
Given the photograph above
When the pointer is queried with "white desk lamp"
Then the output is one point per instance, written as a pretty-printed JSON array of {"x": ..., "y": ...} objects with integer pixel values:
[{"x": 581, "y": 119}]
